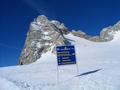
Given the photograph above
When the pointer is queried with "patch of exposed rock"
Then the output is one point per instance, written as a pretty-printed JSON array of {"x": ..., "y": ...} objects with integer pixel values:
[{"x": 107, "y": 34}]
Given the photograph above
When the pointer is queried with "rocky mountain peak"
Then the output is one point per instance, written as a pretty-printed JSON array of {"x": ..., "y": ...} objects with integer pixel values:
[
  {"x": 44, "y": 34},
  {"x": 43, "y": 20},
  {"x": 107, "y": 33}
]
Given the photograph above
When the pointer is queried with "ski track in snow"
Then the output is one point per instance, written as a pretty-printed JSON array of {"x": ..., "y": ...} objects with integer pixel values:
[{"x": 98, "y": 65}]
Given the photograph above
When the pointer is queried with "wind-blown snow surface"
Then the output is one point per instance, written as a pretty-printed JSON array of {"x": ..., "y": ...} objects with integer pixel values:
[{"x": 98, "y": 69}]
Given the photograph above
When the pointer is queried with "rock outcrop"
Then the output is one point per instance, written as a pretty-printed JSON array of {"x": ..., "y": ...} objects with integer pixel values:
[
  {"x": 82, "y": 34},
  {"x": 43, "y": 34},
  {"x": 107, "y": 34}
]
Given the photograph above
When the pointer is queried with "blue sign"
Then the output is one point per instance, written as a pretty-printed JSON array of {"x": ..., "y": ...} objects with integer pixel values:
[{"x": 66, "y": 55}]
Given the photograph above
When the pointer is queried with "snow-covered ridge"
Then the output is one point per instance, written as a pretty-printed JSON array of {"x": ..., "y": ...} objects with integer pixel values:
[
  {"x": 98, "y": 65},
  {"x": 105, "y": 35}
]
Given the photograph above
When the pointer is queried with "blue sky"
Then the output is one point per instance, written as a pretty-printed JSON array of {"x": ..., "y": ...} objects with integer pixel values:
[{"x": 89, "y": 16}]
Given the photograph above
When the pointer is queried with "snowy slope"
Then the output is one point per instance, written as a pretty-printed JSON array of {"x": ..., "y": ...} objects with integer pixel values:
[{"x": 98, "y": 69}]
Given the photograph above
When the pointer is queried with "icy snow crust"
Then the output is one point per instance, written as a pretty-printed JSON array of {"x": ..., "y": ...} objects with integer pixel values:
[{"x": 98, "y": 69}]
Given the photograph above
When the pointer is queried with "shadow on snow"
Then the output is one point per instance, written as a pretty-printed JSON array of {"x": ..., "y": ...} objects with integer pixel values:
[{"x": 90, "y": 72}]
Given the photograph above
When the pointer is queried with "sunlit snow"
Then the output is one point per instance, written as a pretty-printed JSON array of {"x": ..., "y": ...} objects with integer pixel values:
[{"x": 97, "y": 68}]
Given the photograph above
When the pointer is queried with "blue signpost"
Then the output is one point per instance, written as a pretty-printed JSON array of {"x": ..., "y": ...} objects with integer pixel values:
[{"x": 66, "y": 55}]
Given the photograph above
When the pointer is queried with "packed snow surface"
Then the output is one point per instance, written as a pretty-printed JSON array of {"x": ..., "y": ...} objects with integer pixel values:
[{"x": 97, "y": 68}]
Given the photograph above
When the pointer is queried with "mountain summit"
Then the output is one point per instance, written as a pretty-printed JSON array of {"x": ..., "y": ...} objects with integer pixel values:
[{"x": 44, "y": 34}]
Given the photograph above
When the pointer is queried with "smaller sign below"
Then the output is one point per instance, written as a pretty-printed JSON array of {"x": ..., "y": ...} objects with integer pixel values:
[{"x": 66, "y": 55}]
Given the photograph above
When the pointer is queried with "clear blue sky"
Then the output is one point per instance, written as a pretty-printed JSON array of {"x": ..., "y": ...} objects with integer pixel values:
[{"x": 15, "y": 16}]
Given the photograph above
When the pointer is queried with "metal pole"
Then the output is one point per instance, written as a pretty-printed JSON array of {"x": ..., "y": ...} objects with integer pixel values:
[
  {"x": 77, "y": 68},
  {"x": 76, "y": 63},
  {"x": 57, "y": 75}
]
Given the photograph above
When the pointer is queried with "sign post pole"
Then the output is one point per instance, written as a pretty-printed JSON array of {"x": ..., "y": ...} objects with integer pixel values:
[
  {"x": 57, "y": 75},
  {"x": 77, "y": 69}
]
